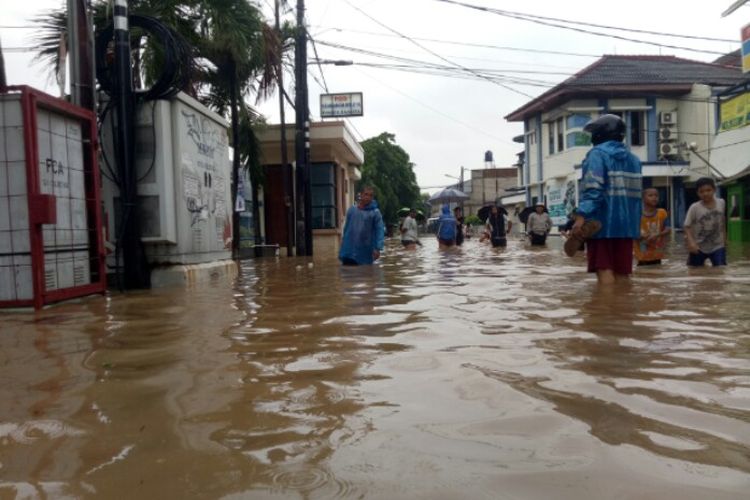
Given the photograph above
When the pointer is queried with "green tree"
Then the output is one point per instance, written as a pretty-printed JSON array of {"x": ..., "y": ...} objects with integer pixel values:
[{"x": 387, "y": 168}]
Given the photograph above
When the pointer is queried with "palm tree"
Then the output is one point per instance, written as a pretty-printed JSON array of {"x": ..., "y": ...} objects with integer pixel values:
[{"x": 245, "y": 53}]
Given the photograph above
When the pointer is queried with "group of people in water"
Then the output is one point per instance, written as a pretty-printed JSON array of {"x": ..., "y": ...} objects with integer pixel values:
[{"x": 616, "y": 220}]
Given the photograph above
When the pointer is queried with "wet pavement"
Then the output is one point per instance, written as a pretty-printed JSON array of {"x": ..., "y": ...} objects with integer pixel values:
[{"x": 475, "y": 373}]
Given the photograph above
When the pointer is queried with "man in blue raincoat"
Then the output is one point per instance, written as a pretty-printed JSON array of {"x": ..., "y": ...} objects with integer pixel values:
[
  {"x": 609, "y": 212},
  {"x": 364, "y": 232}
]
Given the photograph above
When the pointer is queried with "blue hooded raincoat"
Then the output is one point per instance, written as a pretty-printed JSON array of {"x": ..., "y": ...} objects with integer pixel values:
[
  {"x": 364, "y": 233},
  {"x": 611, "y": 190},
  {"x": 446, "y": 224}
]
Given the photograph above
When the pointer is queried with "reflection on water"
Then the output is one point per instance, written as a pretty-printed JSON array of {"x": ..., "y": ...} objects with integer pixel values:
[{"x": 474, "y": 373}]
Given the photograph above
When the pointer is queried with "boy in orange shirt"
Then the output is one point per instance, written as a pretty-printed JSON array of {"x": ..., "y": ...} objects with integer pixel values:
[{"x": 649, "y": 248}]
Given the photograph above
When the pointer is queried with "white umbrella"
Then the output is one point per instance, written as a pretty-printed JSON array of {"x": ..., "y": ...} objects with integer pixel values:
[{"x": 448, "y": 195}]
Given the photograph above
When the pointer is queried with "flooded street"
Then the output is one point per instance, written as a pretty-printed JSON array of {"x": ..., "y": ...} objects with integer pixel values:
[{"x": 469, "y": 374}]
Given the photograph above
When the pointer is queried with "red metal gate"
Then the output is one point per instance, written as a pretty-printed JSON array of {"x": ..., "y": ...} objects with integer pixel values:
[{"x": 51, "y": 244}]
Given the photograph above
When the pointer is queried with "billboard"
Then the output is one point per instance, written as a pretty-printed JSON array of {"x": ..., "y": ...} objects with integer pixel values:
[{"x": 340, "y": 105}]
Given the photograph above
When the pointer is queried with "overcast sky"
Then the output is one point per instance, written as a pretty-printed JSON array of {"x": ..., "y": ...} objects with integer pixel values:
[{"x": 445, "y": 123}]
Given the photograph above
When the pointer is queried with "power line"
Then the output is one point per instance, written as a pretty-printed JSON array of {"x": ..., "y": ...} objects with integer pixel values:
[
  {"x": 548, "y": 22},
  {"x": 506, "y": 87},
  {"x": 467, "y": 44},
  {"x": 435, "y": 110},
  {"x": 605, "y": 26},
  {"x": 317, "y": 58}
]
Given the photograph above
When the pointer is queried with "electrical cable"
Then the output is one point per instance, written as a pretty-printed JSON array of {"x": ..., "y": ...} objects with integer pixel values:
[
  {"x": 464, "y": 44},
  {"x": 178, "y": 57},
  {"x": 426, "y": 49},
  {"x": 605, "y": 26},
  {"x": 317, "y": 58},
  {"x": 542, "y": 21}
]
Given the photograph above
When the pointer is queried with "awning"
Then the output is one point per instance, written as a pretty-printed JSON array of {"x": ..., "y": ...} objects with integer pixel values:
[{"x": 730, "y": 151}]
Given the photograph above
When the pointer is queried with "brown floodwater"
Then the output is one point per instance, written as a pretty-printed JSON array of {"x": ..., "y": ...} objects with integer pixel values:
[{"x": 475, "y": 373}]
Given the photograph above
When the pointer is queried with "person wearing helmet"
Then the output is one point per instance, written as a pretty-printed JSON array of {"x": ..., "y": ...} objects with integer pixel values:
[{"x": 609, "y": 212}]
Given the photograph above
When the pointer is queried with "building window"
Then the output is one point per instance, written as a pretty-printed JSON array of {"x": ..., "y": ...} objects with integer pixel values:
[
  {"x": 532, "y": 138},
  {"x": 551, "y": 137},
  {"x": 323, "y": 194},
  {"x": 636, "y": 123},
  {"x": 637, "y": 128},
  {"x": 560, "y": 134},
  {"x": 575, "y": 136}
]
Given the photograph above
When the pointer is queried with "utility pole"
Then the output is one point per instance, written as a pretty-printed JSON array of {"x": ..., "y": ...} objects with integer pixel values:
[
  {"x": 286, "y": 172},
  {"x": 81, "y": 53},
  {"x": 302, "y": 137},
  {"x": 136, "y": 273}
]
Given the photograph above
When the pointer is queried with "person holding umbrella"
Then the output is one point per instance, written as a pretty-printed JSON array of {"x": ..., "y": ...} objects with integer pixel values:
[
  {"x": 538, "y": 225},
  {"x": 446, "y": 233}
]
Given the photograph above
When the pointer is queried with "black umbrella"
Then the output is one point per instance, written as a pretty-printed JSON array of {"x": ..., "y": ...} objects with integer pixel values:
[
  {"x": 524, "y": 215},
  {"x": 484, "y": 212}
]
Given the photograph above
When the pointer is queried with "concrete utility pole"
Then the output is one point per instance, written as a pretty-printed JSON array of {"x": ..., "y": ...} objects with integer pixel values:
[
  {"x": 136, "y": 273},
  {"x": 302, "y": 137},
  {"x": 81, "y": 53},
  {"x": 288, "y": 185}
]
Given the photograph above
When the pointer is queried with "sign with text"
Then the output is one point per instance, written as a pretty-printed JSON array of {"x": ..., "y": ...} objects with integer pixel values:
[
  {"x": 734, "y": 112},
  {"x": 746, "y": 48},
  {"x": 340, "y": 105}
]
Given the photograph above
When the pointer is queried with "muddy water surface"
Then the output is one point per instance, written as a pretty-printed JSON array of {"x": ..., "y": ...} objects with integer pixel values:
[{"x": 471, "y": 374}]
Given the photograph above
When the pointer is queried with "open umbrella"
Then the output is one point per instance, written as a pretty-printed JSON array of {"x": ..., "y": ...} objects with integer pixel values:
[
  {"x": 484, "y": 212},
  {"x": 448, "y": 195},
  {"x": 524, "y": 215}
]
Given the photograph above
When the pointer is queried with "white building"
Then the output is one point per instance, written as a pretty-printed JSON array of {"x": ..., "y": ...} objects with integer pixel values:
[{"x": 666, "y": 102}]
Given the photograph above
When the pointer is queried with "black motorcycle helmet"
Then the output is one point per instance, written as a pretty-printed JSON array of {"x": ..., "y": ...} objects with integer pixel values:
[{"x": 606, "y": 128}]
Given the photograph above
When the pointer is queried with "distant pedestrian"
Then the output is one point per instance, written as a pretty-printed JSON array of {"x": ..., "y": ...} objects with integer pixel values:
[
  {"x": 705, "y": 227},
  {"x": 609, "y": 212},
  {"x": 446, "y": 233},
  {"x": 364, "y": 232},
  {"x": 410, "y": 231},
  {"x": 649, "y": 249},
  {"x": 538, "y": 225},
  {"x": 458, "y": 215},
  {"x": 496, "y": 227}
]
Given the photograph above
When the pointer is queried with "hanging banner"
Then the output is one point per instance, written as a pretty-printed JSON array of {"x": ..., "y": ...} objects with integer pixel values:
[
  {"x": 746, "y": 48},
  {"x": 734, "y": 112},
  {"x": 239, "y": 205}
]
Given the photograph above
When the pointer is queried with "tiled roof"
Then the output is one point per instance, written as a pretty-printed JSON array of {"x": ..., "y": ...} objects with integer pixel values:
[
  {"x": 628, "y": 74},
  {"x": 639, "y": 70}
]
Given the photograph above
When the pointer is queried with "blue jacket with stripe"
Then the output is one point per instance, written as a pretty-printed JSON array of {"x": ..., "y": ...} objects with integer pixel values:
[{"x": 611, "y": 190}]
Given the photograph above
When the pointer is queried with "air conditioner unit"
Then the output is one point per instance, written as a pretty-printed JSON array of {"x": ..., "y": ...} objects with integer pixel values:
[
  {"x": 668, "y": 117},
  {"x": 668, "y": 150},
  {"x": 667, "y": 134}
]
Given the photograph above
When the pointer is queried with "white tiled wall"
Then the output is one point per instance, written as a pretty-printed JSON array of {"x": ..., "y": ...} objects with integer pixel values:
[
  {"x": 15, "y": 259},
  {"x": 61, "y": 174}
]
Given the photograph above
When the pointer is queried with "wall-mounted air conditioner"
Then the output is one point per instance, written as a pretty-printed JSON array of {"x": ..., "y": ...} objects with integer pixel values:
[{"x": 668, "y": 118}]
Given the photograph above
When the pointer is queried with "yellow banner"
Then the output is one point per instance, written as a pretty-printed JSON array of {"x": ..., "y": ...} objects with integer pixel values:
[{"x": 734, "y": 112}]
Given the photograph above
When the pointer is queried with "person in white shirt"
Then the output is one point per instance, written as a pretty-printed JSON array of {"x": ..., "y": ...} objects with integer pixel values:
[
  {"x": 409, "y": 231},
  {"x": 538, "y": 225}
]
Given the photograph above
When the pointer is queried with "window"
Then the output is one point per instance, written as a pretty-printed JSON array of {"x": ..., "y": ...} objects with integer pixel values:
[
  {"x": 323, "y": 194},
  {"x": 532, "y": 138},
  {"x": 560, "y": 134},
  {"x": 637, "y": 128},
  {"x": 636, "y": 123},
  {"x": 551, "y": 137},
  {"x": 575, "y": 136}
]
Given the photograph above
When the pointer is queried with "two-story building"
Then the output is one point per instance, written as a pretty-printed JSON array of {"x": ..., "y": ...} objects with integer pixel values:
[{"x": 668, "y": 104}]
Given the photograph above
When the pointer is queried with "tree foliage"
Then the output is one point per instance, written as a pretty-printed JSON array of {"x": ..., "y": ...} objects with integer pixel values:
[{"x": 387, "y": 168}]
